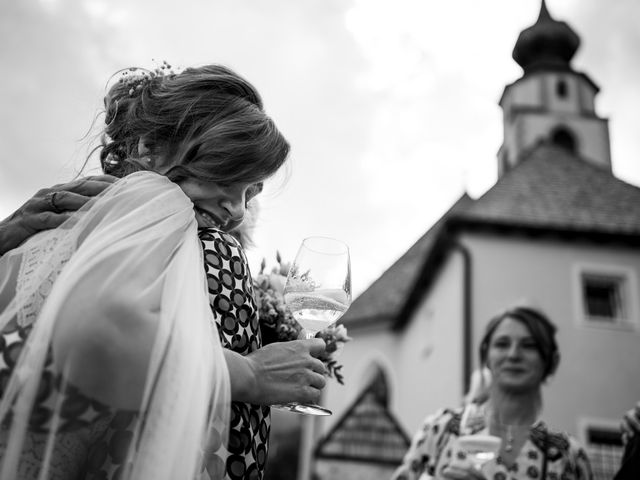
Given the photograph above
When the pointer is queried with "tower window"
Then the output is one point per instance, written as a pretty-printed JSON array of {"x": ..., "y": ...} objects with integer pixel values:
[
  {"x": 561, "y": 89},
  {"x": 564, "y": 138}
]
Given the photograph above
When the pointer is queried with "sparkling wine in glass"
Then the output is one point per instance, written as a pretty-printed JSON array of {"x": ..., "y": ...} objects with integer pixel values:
[
  {"x": 318, "y": 292},
  {"x": 479, "y": 446}
]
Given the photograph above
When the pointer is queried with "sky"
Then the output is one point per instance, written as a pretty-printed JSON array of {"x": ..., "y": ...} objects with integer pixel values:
[{"x": 391, "y": 106}]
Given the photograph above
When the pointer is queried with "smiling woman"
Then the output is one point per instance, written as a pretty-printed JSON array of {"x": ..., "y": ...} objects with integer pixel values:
[
  {"x": 221, "y": 206},
  {"x": 129, "y": 336},
  {"x": 519, "y": 349}
]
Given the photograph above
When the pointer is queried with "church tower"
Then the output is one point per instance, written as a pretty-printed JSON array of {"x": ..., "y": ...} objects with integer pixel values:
[{"x": 551, "y": 102}]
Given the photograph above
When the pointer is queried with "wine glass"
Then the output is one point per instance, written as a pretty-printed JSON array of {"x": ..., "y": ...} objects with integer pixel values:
[
  {"x": 318, "y": 293},
  {"x": 479, "y": 446}
]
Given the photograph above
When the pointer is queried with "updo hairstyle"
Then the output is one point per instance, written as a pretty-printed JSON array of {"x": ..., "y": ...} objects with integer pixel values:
[{"x": 208, "y": 120}]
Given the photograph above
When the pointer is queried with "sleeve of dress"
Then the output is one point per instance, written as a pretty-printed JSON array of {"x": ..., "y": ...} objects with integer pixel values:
[
  {"x": 580, "y": 460},
  {"x": 118, "y": 292},
  {"x": 422, "y": 455}
]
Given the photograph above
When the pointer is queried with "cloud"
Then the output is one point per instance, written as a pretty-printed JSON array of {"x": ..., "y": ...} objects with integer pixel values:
[
  {"x": 609, "y": 55},
  {"x": 390, "y": 107},
  {"x": 50, "y": 51}
]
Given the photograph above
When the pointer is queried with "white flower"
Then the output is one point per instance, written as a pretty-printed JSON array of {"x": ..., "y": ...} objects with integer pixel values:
[{"x": 277, "y": 282}]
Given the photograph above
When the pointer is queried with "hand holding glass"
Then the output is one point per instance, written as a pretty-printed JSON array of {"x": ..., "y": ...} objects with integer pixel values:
[
  {"x": 480, "y": 447},
  {"x": 318, "y": 292}
]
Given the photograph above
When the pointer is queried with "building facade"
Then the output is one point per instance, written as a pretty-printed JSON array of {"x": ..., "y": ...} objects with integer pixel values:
[{"x": 558, "y": 230}]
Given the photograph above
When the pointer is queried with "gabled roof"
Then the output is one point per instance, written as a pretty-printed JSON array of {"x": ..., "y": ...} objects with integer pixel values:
[
  {"x": 366, "y": 432},
  {"x": 550, "y": 191},
  {"x": 387, "y": 295},
  {"x": 553, "y": 189}
]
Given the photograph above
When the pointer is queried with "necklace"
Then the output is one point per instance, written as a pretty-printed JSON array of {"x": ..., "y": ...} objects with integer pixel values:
[
  {"x": 509, "y": 440},
  {"x": 522, "y": 431}
]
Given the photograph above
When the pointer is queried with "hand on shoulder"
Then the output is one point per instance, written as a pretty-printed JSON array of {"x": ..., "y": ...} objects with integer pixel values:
[{"x": 49, "y": 208}]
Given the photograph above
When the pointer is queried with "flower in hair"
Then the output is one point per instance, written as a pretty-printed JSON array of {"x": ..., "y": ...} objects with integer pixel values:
[{"x": 135, "y": 79}]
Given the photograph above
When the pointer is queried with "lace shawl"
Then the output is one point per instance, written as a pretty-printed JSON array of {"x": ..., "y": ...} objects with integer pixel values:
[{"x": 134, "y": 246}]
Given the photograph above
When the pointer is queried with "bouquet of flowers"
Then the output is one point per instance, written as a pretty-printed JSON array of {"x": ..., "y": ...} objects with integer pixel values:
[{"x": 277, "y": 323}]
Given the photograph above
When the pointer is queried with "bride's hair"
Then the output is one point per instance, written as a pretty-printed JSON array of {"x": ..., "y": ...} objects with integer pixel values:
[{"x": 209, "y": 120}]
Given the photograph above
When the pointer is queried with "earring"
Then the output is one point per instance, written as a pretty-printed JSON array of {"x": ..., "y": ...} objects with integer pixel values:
[{"x": 148, "y": 161}]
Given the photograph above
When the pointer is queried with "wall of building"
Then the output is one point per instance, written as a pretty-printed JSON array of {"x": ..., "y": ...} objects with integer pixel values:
[
  {"x": 533, "y": 109},
  {"x": 430, "y": 374},
  {"x": 540, "y": 91},
  {"x": 598, "y": 373},
  {"x": 368, "y": 347},
  {"x": 591, "y": 134},
  {"x": 423, "y": 362}
]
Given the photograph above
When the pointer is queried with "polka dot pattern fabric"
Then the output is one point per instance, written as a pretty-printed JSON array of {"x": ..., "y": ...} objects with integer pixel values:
[
  {"x": 235, "y": 312},
  {"x": 109, "y": 433}
]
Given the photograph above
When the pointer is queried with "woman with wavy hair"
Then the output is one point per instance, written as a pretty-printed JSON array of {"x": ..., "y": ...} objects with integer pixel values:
[
  {"x": 519, "y": 350},
  {"x": 122, "y": 357}
]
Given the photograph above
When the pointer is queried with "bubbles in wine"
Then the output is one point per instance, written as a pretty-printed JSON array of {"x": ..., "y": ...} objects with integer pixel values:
[{"x": 318, "y": 309}]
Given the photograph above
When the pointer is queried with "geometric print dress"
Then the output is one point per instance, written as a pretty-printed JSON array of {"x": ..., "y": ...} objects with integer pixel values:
[
  {"x": 235, "y": 311},
  {"x": 93, "y": 439}
]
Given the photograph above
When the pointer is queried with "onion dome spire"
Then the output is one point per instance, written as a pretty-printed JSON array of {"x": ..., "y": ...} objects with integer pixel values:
[{"x": 547, "y": 44}]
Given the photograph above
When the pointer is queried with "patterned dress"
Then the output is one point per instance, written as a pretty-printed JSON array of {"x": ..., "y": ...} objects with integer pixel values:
[
  {"x": 92, "y": 440},
  {"x": 235, "y": 312},
  {"x": 434, "y": 448}
]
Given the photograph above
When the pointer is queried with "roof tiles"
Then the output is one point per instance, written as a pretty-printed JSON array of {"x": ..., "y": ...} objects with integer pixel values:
[{"x": 551, "y": 189}]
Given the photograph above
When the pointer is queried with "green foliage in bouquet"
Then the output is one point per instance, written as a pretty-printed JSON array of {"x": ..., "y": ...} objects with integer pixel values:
[{"x": 277, "y": 323}]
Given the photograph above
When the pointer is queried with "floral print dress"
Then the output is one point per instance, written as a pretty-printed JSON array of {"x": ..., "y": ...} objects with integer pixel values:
[{"x": 433, "y": 449}]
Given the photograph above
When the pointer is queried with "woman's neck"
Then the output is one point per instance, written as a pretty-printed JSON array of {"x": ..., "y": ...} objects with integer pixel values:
[{"x": 509, "y": 408}]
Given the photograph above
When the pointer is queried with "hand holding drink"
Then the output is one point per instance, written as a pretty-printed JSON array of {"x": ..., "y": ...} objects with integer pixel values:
[
  {"x": 318, "y": 292},
  {"x": 478, "y": 445},
  {"x": 470, "y": 454},
  {"x": 480, "y": 448}
]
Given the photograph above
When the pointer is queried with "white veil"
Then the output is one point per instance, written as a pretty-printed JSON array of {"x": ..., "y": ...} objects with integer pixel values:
[{"x": 134, "y": 246}]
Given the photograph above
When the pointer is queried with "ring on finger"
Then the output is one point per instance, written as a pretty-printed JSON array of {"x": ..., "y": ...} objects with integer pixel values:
[{"x": 51, "y": 199}]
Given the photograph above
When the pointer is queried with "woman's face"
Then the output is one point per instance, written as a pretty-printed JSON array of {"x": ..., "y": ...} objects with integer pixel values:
[
  {"x": 221, "y": 206},
  {"x": 215, "y": 204},
  {"x": 513, "y": 357}
]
